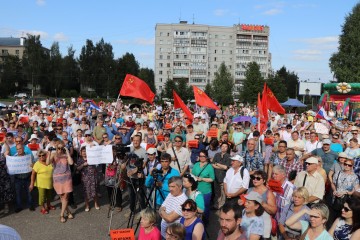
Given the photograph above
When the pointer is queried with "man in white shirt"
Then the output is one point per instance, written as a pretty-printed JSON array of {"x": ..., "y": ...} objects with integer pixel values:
[
  {"x": 296, "y": 143},
  {"x": 236, "y": 180},
  {"x": 312, "y": 144}
]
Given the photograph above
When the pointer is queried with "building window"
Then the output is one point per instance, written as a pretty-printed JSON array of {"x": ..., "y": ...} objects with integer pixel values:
[
  {"x": 177, "y": 56},
  {"x": 215, "y": 66},
  {"x": 223, "y": 51},
  {"x": 160, "y": 72},
  {"x": 160, "y": 33},
  {"x": 168, "y": 64},
  {"x": 215, "y": 51},
  {"x": 168, "y": 34},
  {"x": 215, "y": 59},
  {"x": 168, "y": 57},
  {"x": 216, "y": 36},
  {"x": 17, "y": 52},
  {"x": 230, "y": 51},
  {"x": 216, "y": 44},
  {"x": 160, "y": 64},
  {"x": 160, "y": 79},
  {"x": 161, "y": 57},
  {"x": 161, "y": 42},
  {"x": 185, "y": 56}
]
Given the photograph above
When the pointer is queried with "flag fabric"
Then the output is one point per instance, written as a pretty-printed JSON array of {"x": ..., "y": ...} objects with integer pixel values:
[
  {"x": 94, "y": 106},
  {"x": 261, "y": 120},
  {"x": 322, "y": 114},
  {"x": 137, "y": 88},
  {"x": 264, "y": 104},
  {"x": 345, "y": 109},
  {"x": 203, "y": 100},
  {"x": 271, "y": 101},
  {"x": 178, "y": 103}
]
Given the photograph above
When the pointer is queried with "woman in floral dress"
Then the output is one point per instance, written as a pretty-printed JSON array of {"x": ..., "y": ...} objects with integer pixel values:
[{"x": 6, "y": 192}]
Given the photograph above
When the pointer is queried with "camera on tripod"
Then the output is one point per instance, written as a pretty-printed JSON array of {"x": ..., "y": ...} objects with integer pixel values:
[
  {"x": 121, "y": 150},
  {"x": 156, "y": 173},
  {"x": 137, "y": 162}
]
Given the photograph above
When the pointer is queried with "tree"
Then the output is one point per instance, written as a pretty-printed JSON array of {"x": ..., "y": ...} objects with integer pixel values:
[
  {"x": 11, "y": 74},
  {"x": 278, "y": 87},
  {"x": 209, "y": 90},
  {"x": 224, "y": 84},
  {"x": 290, "y": 79},
  {"x": 124, "y": 65},
  {"x": 170, "y": 85},
  {"x": 71, "y": 71},
  {"x": 345, "y": 64},
  {"x": 253, "y": 83},
  {"x": 55, "y": 72},
  {"x": 148, "y": 76},
  {"x": 184, "y": 91}
]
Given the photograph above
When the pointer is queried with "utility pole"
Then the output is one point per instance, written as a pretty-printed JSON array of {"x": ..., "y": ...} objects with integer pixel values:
[{"x": 32, "y": 81}]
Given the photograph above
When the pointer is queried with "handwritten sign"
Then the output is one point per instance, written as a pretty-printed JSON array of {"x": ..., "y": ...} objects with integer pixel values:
[
  {"x": 99, "y": 154},
  {"x": 213, "y": 133},
  {"x": 193, "y": 143},
  {"x": 122, "y": 234},
  {"x": 321, "y": 128},
  {"x": 18, "y": 164},
  {"x": 43, "y": 104}
]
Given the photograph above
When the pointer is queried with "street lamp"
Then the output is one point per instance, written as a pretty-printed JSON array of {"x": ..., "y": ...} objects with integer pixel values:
[{"x": 307, "y": 93}]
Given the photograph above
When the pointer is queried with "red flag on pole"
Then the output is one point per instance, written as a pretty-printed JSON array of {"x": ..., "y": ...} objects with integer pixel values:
[
  {"x": 272, "y": 103},
  {"x": 137, "y": 88},
  {"x": 203, "y": 100},
  {"x": 261, "y": 121},
  {"x": 178, "y": 103},
  {"x": 264, "y": 104}
]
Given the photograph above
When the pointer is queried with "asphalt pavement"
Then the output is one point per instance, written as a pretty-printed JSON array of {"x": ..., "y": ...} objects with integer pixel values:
[{"x": 86, "y": 225}]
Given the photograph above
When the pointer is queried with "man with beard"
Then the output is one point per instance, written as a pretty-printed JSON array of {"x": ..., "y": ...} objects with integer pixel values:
[{"x": 230, "y": 219}]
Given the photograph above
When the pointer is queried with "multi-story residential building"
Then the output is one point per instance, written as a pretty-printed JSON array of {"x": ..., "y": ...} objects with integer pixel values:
[
  {"x": 11, "y": 46},
  {"x": 194, "y": 52}
]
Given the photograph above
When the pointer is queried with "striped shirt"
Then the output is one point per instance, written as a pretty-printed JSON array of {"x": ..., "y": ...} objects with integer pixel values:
[
  {"x": 283, "y": 199},
  {"x": 172, "y": 203}
]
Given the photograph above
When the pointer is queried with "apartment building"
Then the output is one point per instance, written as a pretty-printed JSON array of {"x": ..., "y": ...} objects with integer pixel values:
[{"x": 194, "y": 52}]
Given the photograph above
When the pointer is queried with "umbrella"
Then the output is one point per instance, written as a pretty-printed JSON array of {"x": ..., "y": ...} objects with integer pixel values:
[
  {"x": 2, "y": 105},
  {"x": 242, "y": 119},
  {"x": 7, "y": 111}
]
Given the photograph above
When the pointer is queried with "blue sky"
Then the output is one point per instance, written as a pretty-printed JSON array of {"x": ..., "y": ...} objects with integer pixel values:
[{"x": 303, "y": 34}]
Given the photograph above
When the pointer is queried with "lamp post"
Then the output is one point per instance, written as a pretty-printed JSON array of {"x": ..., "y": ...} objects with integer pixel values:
[{"x": 307, "y": 93}]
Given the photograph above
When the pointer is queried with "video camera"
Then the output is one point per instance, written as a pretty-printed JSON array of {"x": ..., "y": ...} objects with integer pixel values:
[
  {"x": 121, "y": 150},
  {"x": 156, "y": 173},
  {"x": 137, "y": 162}
]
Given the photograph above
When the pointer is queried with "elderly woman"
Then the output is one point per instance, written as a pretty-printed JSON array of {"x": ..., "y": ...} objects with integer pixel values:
[
  {"x": 193, "y": 225},
  {"x": 190, "y": 185},
  {"x": 315, "y": 228},
  {"x": 252, "y": 224},
  {"x": 300, "y": 197},
  {"x": 89, "y": 179},
  {"x": 337, "y": 166},
  {"x": 344, "y": 185},
  {"x": 342, "y": 227},
  {"x": 353, "y": 150},
  {"x": 41, "y": 177},
  {"x": 62, "y": 180},
  {"x": 148, "y": 230},
  {"x": 268, "y": 200}
]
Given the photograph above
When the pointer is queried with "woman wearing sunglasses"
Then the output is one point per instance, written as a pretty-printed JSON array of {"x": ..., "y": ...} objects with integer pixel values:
[
  {"x": 62, "y": 180},
  {"x": 41, "y": 177},
  {"x": 268, "y": 199},
  {"x": 342, "y": 227},
  {"x": 344, "y": 184},
  {"x": 315, "y": 227},
  {"x": 193, "y": 225}
]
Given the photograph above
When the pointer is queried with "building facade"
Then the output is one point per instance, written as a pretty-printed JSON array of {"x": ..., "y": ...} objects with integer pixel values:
[
  {"x": 195, "y": 52},
  {"x": 11, "y": 46}
]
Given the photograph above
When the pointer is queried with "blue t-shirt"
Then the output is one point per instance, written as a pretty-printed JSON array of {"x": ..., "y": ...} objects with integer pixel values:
[{"x": 323, "y": 236}]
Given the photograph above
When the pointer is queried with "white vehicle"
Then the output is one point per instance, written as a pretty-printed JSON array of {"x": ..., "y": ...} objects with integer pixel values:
[{"x": 20, "y": 95}]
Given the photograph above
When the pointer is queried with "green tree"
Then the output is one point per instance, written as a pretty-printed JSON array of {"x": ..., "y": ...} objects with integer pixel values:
[
  {"x": 253, "y": 83},
  {"x": 148, "y": 76},
  {"x": 35, "y": 62},
  {"x": 224, "y": 84},
  {"x": 127, "y": 64},
  {"x": 54, "y": 86},
  {"x": 11, "y": 74},
  {"x": 170, "y": 85},
  {"x": 278, "y": 87},
  {"x": 209, "y": 90},
  {"x": 183, "y": 89},
  {"x": 345, "y": 64},
  {"x": 291, "y": 81},
  {"x": 71, "y": 71}
]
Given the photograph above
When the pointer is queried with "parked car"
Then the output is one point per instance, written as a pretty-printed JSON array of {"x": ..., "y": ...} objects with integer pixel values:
[{"x": 20, "y": 95}]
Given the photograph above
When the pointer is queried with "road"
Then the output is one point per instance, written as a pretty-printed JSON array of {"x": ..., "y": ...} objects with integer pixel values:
[{"x": 86, "y": 225}]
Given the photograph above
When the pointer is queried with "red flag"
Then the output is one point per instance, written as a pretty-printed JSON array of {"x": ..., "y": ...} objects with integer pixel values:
[
  {"x": 137, "y": 88},
  {"x": 202, "y": 99},
  {"x": 272, "y": 103},
  {"x": 264, "y": 104},
  {"x": 261, "y": 119},
  {"x": 178, "y": 103}
]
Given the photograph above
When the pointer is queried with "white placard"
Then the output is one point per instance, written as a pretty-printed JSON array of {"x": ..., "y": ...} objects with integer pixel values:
[
  {"x": 99, "y": 154},
  {"x": 43, "y": 104},
  {"x": 321, "y": 128},
  {"x": 18, "y": 164}
]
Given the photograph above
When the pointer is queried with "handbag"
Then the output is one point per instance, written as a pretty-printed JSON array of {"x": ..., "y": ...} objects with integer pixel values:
[
  {"x": 339, "y": 202},
  {"x": 303, "y": 236}
]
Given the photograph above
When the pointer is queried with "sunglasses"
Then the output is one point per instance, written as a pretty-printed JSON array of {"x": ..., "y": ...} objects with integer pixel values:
[
  {"x": 178, "y": 141},
  {"x": 307, "y": 133},
  {"x": 117, "y": 138},
  {"x": 186, "y": 209},
  {"x": 346, "y": 209},
  {"x": 87, "y": 135},
  {"x": 60, "y": 148},
  {"x": 255, "y": 178},
  {"x": 104, "y": 137},
  {"x": 348, "y": 165}
]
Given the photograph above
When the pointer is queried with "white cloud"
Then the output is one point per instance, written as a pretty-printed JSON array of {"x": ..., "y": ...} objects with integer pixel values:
[
  {"x": 307, "y": 52},
  {"x": 122, "y": 41},
  {"x": 304, "y": 5},
  {"x": 40, "y": 2},
  {"x": 144, "y": 41},
  {"x": 319, "y": 40},
  {"x": 220, "y": 12},
  {"x": 60, "y": 37},
  {"x": 43, "y": 35},
  {"x": 273, "y": 11}
]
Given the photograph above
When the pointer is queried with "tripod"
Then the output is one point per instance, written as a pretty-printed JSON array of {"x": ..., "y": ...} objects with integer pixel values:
[{"x": 139, "y": 190}]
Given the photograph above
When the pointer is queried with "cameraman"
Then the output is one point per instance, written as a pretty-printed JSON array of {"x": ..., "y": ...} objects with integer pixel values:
[
  {"x": 135, "y": 173},
  {"x": 161, "y": 177}
]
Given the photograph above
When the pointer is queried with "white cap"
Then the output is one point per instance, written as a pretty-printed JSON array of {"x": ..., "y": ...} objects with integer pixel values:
[{"x": 237, "y": 158}]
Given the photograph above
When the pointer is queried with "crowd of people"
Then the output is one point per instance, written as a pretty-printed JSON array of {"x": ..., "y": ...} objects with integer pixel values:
[{"x": 296, "y": 179}]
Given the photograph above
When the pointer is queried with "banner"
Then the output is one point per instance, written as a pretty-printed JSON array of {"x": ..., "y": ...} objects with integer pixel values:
[
  {"x": 99, "y": 154},
  {"x": 321, "y": 128},
  {"x": 122, "y": 234},
  {"x": 43, "y": 104},
  {"x": 18, "y": 164}
]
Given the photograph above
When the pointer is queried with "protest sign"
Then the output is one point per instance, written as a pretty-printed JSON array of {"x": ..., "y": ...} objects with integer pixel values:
[
  {"x": 43, "y": 104},
  {"x": 18, "y": 164},
  {"x": 99, "y": 154},
  {"x": 122, "y": 234},
  {"x": 321, "y": 128}
]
